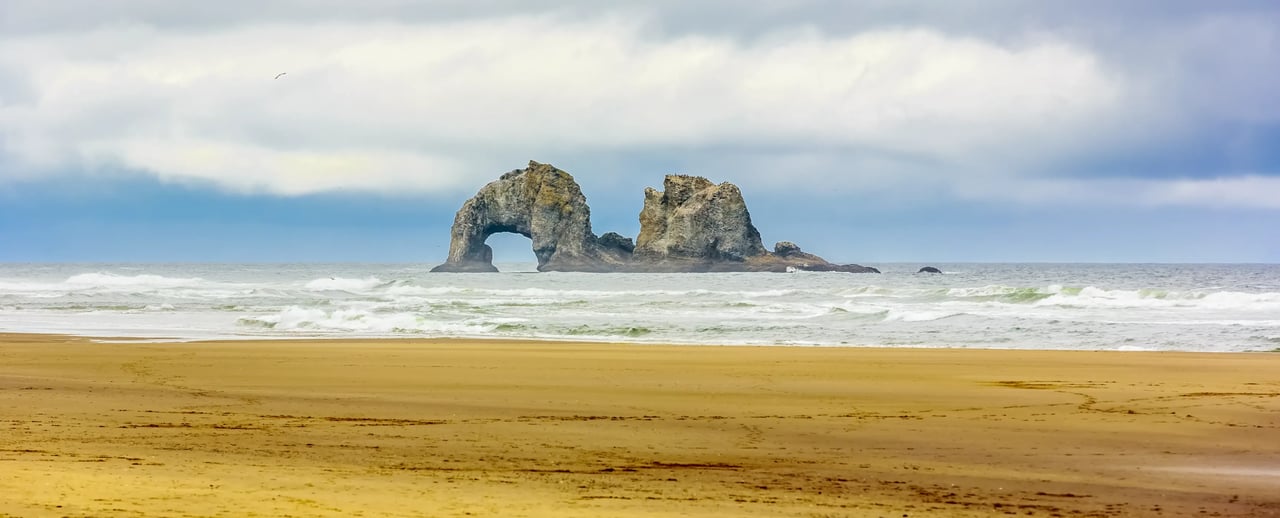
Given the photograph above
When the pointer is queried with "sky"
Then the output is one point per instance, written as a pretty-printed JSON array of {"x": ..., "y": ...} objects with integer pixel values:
[{"x": 865, "y": 131}]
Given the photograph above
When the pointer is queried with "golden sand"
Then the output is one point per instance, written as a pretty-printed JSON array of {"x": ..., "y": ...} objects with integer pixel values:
[{"x": 494, "y": 428}]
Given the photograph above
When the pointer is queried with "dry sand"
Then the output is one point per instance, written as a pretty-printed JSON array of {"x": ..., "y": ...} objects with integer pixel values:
[{"x": 491, "y": 428}]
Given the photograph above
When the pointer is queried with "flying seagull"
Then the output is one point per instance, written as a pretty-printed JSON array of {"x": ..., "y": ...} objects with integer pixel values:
[{"x": 280, "y": 74}]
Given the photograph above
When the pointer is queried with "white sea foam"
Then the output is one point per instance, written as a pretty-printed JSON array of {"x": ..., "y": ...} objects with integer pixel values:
[
  {"x": 878, "y": 291},
  {"x": 344, "y": 284},
  {"x": 1059, "y": 307},
  {"x": 918, "y": 316},
  {"x": 98, "y": 280},
  {"x": 95, "y": 284},
  {"x": 983, "y": 291},
  {"x": 423, "y": 291},
  {"x": 365, "y": 322},
  {"x": 1091, "y": 296},
  {"x": 1238, "y": 300}
]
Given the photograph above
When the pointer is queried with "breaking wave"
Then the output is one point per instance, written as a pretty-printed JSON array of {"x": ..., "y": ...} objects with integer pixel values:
[
  {"x": 98, "y": 280},
  {"x": 1027, "y": 306},
  {"x": 344, "y": 284}
]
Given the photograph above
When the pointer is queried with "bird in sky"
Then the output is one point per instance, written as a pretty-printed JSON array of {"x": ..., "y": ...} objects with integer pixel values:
[{"x": 280, "y": 74}]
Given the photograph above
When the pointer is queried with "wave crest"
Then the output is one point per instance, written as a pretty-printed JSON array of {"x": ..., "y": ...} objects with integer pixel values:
[
  {"x": 344, "y": 284},
  {"x": 111, "y": 280}
]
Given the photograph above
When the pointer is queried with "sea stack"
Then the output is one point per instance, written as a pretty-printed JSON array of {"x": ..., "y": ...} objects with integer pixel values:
[
  {"x": 543, "y": 204},
  {"x": 692, "y": 225}
]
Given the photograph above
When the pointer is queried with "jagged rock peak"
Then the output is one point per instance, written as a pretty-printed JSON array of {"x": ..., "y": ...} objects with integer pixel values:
[
  {"x": 695, "y": 220},
  {"x": 785, "y": 248},
  {"x": 678, "y": 188}
]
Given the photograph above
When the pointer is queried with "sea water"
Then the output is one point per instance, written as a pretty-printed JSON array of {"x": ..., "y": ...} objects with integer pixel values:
[{"x": 1018, "y": 306}]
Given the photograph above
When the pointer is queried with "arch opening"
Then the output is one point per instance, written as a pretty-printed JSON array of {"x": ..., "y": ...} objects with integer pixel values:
[{"x": 512, "y": 251}]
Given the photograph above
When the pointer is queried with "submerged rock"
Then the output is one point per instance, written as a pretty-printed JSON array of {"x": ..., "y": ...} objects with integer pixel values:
[
  {"x": 929, "y": 269},
  {"x": 693, "y": 225}
]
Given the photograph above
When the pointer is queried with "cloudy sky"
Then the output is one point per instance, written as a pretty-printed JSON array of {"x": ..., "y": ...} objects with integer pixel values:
[{"x": 866, "y": 131}]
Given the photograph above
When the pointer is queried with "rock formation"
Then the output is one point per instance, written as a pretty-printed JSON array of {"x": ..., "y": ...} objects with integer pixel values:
[
  {"x": 693, "y": 225},
  {"x": 929, "y": 269},
  {"x": 543, "y": 204}
]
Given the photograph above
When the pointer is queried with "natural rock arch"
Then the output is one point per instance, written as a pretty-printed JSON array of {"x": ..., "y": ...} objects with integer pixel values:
[{"x": 541, "y": 203}]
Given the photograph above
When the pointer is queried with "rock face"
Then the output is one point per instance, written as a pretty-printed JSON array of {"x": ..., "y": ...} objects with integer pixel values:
[
  {"x": 693, "y": 225},
  {"x": 542, "y": 203}
]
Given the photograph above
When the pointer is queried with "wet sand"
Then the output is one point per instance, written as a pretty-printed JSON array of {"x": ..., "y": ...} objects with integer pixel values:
[{"x": 492, "y": 428}]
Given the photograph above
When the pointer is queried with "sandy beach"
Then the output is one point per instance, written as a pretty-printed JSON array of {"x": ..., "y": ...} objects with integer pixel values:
[{"x": 496, "y": 428}]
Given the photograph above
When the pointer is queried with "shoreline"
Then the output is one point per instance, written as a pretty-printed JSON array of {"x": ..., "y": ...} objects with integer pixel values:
[
  {"x": 410, "y": 427},
  {"x": 4, "y": 335}
]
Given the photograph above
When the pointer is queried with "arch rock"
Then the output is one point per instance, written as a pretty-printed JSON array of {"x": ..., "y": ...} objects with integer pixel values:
[{"x": 541, "y": 203}]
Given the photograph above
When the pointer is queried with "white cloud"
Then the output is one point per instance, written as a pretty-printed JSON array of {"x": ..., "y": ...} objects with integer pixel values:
[
  {"x": 248, "y": 168},
  {"x": 1245, "y": 192},
  {"x": 396, "y": 107},
  {"x": 1240, "y": 192}
]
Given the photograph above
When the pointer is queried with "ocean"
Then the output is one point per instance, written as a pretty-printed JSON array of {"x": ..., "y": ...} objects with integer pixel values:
[{"x": 1165, "y": 307}]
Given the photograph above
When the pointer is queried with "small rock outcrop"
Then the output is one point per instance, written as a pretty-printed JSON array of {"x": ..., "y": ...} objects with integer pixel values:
[
  {"x": 830, "y": 267},
  {"x": 812, "y": 263},
  {"x": 616, "y": 242},
  {"x": 792, "y": 251},
  {"x": 929, "y": 269},
  {"x": 542, "y": 203},
  {"x": 692, "y": 225}
]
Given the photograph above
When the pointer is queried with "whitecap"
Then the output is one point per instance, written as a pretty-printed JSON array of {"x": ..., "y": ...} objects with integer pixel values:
[
  {"x": 919, "y": 316},
  {"x": 365, "y": 322},
  {"x": 100, "y": 280},
  {"x": 343, "y": 284}
]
